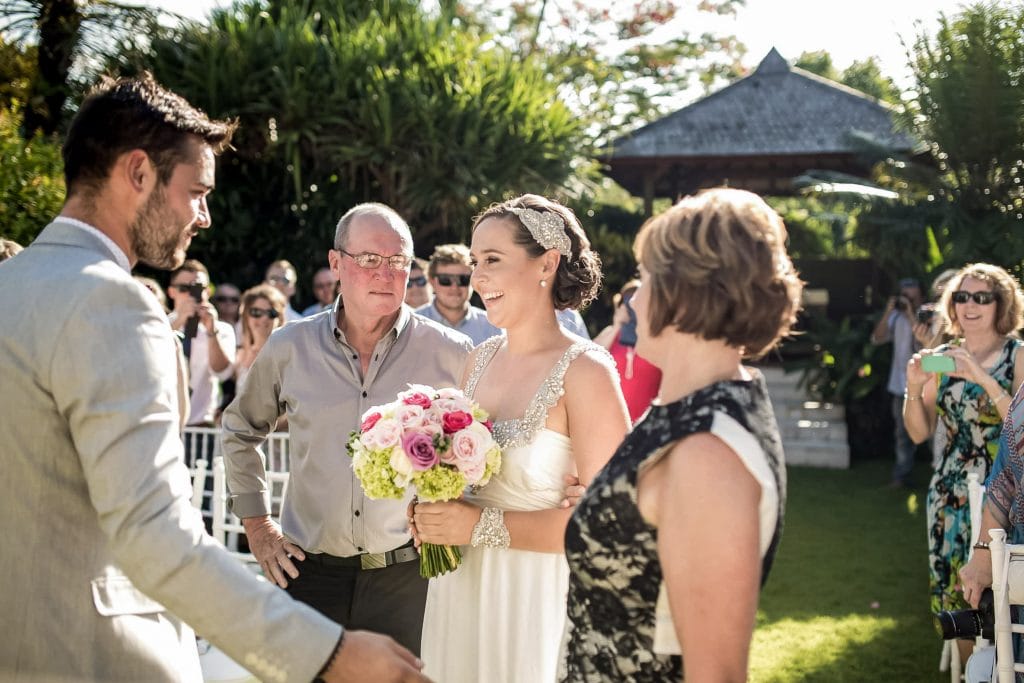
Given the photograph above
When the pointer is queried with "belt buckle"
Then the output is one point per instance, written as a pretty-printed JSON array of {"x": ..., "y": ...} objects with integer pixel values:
[{"x": 372, "y": 561}]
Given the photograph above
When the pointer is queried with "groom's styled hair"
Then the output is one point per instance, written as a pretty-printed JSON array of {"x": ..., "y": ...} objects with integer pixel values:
[{"x": 123, "y": 114}]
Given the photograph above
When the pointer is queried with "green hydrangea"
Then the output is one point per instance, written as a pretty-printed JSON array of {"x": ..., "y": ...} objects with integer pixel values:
[
  {"x": 440, "y": 483},
  {"x": 375, "y": 472}
]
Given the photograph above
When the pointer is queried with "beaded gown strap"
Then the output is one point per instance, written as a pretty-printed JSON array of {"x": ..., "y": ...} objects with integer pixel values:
[
  {"x": 485, "y": 352},
  {"x": 521, "y": 431}
]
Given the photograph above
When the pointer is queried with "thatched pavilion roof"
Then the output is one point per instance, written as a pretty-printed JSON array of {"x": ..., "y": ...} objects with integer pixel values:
[{"x": 756, "y": 133}]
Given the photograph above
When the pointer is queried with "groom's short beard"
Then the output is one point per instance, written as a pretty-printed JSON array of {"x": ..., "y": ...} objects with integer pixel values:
[{"x": 154, "y": 238}]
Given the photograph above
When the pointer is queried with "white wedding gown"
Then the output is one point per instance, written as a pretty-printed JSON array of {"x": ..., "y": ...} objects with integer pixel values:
[{"x": 499, "y": 617}]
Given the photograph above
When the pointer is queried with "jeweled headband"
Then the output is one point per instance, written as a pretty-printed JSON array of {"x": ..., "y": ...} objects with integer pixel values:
[{"x": 547, "y": 228}]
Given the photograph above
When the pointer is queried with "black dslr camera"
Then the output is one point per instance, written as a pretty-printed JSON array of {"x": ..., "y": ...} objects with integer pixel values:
[
  {"x": 926, "y": 313},
  {"x": 969, "y": 623}
]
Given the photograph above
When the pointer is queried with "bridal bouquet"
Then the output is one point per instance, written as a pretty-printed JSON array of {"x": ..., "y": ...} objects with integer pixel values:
[{"x": 437, "y": 441}]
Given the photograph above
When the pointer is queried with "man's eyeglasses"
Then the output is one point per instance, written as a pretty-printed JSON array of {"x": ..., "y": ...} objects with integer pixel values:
[
  {"x": 449, "y": 280},
  {"x": 980, "y": 298},
  {"x": 372, "y": 261},
  {"x": 418, "y": 281},
  {"x": 260, "y": 312},
  {"x": 225, "y": 299}
]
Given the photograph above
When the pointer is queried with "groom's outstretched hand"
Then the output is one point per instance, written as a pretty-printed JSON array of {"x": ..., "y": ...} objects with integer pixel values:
[
  {"x": 272, "y": 550},
  {"x": 366, "y": 656},
  {"x": 574, "y": 490}
]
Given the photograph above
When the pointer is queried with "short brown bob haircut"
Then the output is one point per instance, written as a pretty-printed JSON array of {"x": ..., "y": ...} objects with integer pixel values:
[
  {"x": 717, "y": 267},
  {"x": 1009, "y": 299}
]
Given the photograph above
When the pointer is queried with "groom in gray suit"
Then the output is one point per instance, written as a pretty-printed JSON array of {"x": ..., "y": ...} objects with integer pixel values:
[{"x": 104, "y": 558}]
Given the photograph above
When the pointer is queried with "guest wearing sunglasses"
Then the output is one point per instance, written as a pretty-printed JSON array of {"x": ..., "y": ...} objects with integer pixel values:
[
  {"x": 418, "y": 292},
  {"x": 263, "y": 309},
  {"x": 983, "y": 307},
  {"x": 325, "y": 289},
  {"x": 449, "y": 272}
]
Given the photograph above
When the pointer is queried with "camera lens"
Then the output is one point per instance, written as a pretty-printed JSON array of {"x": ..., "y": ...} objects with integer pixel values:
[
  {"x": 968, "y": 623},
  {"x": 962, "y": 623}
]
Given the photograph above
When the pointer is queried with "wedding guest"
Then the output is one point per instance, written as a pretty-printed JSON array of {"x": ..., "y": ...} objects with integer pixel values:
[
  {"x": 107, "y": 559},
  {"x": 226, "y": 299},
  {"x": 209, "y": 343},
  {"x": 346, "y": 555},
  {"x": 449, "y": 275},
  {"x": 262, "y": 313},
  {"x": 418, "y": 292},
  {"x": 638, "y": 378},
  {"x": 557, "y": 410},
  {"x": 325, "y": 289},
  {"x": 896, "y": 325},
  {"x": 984, "y": 306},
  {"x": 671, "y": 542},
  {"x": 281, "y": 274}
]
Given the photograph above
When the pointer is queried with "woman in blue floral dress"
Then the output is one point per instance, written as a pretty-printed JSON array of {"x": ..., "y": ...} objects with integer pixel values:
[{"x": 983, "y": 304}]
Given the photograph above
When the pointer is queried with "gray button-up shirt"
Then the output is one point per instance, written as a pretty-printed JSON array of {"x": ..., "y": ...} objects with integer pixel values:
[
  {"x": 475, "y": 325},
  {"x": 309, "y": 372}
]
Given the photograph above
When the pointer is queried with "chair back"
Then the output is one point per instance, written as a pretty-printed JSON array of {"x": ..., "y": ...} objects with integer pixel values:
[
  {"x": 1007, "y": 591},
  {"x": 226, "y": 526}
]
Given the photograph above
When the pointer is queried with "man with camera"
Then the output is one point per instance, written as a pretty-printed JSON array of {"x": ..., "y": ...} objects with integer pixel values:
[
  {"x": 209, "y": 344},
  {"x": 896, "y": 325}
]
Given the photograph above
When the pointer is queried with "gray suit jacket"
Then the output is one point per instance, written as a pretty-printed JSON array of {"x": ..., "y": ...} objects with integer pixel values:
[{"x": 102, "y": 552}]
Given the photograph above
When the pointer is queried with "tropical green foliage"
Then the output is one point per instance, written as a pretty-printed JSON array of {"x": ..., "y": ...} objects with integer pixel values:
[
  {"x": 619, "y": 65},
  {"x": 339, "y": 103},
  {"x": 963, "y": 200},
  {"x": 31, "y": 181},
  {"x": 66, "y": 33}
]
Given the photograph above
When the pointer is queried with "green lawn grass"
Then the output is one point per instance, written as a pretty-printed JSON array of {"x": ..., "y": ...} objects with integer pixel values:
[{"x": 847, "y": 600}]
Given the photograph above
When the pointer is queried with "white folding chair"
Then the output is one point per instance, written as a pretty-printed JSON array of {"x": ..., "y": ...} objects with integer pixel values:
[
  {"x": 950, "y": 659},
  {"x": 199, "y": 472},
  {"x": 226, "y": 526},
  {"x": 1007, "y": 591}
]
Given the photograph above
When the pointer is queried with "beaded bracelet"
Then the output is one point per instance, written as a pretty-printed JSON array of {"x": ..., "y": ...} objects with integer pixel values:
[
  {"x": 908, "y": 397},
  {"x": 490, "y": 531},
  {"x": 981, "y": 545}
]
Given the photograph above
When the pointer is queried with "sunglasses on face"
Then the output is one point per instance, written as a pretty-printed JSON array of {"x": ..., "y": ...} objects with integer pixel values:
[
  {"x": 280, "y": 280},
  {"x": 260, "y": 312},
  {"x": 187, "y": 287},
  {"x": 980, "y": 298},
  {"x": 225, "y": 299},
  {"x": 372, "y": 261},
  {"x": 449, "y": 280},
  {"x": 418, "y": 281}
]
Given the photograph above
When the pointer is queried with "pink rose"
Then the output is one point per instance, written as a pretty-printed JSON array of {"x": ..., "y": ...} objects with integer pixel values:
[
  {"x": 410, "y": 416},
  {"x": 384, "y": 434},
  {"x": 432, "y": 423},
  {"x": 420, "y": 449},
  {"x": 455, "y": 421},
  {"x": 455, "y": 404},
  {"x": 469, "y": 447},
  {"x": 369, "y": 421},
  {"x": 489, "y": 424},
  {"x": 416, "y": 398}
]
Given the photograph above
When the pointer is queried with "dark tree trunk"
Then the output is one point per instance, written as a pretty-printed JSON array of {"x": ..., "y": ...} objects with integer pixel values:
[{"x": 59, "y": 23}]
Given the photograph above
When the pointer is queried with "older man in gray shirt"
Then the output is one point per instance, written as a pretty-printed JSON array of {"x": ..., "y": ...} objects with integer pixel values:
[{"x": 346, "y": 555}]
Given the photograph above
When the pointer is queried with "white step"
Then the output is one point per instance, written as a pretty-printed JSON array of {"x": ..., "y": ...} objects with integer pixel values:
[{"x": 818, "y": 454}]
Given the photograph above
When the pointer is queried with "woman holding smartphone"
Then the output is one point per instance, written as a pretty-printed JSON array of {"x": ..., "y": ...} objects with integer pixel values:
[{"x": 966, "y": 385}]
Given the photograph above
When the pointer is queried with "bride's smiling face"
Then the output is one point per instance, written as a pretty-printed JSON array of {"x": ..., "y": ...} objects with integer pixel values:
[{"x": 505, "y": 276}]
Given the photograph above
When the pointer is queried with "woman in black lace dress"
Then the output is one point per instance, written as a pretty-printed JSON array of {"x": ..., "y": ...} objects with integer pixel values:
[{"x": 671, "y": 543}]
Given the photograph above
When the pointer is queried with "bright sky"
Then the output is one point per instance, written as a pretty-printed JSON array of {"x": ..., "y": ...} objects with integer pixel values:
[{"x": 848, "y": 30}]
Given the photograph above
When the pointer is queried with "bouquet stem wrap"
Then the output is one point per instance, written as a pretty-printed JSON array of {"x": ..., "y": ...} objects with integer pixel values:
[{"x": 436, "y": 560}]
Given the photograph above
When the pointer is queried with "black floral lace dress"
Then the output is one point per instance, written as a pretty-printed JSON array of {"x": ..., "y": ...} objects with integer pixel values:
[{"x": 613, "y": 553}]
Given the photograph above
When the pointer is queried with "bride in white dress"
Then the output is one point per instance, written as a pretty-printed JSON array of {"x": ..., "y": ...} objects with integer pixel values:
[{"x": 558, "y": 410}]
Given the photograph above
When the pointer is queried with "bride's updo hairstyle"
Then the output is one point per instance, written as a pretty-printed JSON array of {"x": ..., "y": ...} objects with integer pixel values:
[
  {"x": 717, "y": 268},
  {"x": 578, "y": 278}
]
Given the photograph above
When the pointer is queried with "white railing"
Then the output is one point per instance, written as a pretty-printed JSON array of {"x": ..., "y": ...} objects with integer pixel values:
[{"x": 203, "y": 448}]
